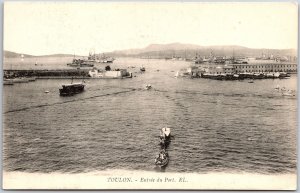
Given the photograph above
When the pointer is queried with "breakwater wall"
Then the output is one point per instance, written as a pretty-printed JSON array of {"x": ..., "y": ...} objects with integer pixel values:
[{"x": 46, "y": 73}]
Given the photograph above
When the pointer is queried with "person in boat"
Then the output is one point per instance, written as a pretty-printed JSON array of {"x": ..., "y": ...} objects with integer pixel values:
[
  {"x": 162, "y": 134},
  {"x": 158, "y": 159},
  {"x": 162, "y": 156}
]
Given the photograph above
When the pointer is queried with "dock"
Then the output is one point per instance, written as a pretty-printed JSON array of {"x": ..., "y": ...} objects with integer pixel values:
[{"x": 46, "y": 74}]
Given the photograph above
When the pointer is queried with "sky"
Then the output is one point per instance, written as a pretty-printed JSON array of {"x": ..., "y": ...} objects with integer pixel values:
[{"x": 41, "y": 28}]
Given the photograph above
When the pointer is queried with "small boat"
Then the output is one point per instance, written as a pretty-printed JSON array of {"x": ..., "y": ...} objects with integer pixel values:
[
  {"x": 284, "y": 75},
  {"x": 250, "y": 81},
  {"x": 47, "y": 91},
  {"x": 165, "y": 137},
  {"x": 148, "y": 87},
  {"x": 71, "y": 89},
  {"x": 8, "y": 82},
  {"x": 236, "y": 76},
  {"x": 165, "y": 133},
  {"x": 30, "y": 79},
  {"x": 283, "y": 89},
  {"x": 289, "y": 93},
  {"x": 142, "y": 69},
  {"x": 20, "y": 80},
  {"x": 162, "y": 159}
]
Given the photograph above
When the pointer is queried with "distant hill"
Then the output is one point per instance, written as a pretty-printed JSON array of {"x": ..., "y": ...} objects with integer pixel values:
[
  {"x": 59, "y": 55},
  {"x": 9, "y": 54},
  {"x": 190, "y": 51},
  {"x": 180, "y": 50}
]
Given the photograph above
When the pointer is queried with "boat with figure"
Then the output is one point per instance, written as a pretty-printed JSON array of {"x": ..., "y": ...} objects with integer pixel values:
[
  {"x": 162, "y": 159},
  {"x": 165, "y": 133},
  {"x": 165, "y": 137},
  {"x": 71, "y": 89}
]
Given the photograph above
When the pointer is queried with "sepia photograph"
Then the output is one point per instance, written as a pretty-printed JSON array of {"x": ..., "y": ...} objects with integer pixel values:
[{"x": 149, "y": 95}]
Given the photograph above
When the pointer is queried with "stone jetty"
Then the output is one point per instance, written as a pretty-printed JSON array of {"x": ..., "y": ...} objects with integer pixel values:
[{"x": 63, "y": 73}]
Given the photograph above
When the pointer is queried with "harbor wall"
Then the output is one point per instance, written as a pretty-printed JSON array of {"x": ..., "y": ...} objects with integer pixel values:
[
  {"x": 45, "y": 73},
  {"x": 74, "y": 73}
]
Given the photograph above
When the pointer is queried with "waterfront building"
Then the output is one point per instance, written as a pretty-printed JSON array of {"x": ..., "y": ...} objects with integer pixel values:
[
  {"x": 265, "y": 67},
  {"x": 245, "y": 68}
]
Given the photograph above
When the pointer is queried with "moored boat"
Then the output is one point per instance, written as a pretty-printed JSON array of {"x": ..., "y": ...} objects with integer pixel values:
[
  {"x": 289, "y": 93},
  {"x": 8, "y": 82},
  {"x": 71, "y": 89},
  {"x": 20, "y": 80},
  {"x": 148, "y": 87},
  {"x": 284, "y": 75},
  {"x": 142, "y": 69},
  {"x": 31, "y": 79}
]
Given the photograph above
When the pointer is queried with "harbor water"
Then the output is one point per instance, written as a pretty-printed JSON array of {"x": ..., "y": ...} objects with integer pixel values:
[{"x": 218, "y": 126}]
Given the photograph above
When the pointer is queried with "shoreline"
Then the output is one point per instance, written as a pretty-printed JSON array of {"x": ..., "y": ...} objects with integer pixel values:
[{"x": 148, "y": 180}]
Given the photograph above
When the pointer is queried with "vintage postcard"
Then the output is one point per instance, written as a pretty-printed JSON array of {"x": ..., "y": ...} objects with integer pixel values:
[{"x": 150, "y": 95}]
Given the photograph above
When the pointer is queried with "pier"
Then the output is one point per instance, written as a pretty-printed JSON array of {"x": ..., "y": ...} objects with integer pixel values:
[{"x": 42, "y": 74}]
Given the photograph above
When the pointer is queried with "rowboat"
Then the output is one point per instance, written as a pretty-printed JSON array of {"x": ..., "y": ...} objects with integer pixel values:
[{"x": 162, "y": 159}]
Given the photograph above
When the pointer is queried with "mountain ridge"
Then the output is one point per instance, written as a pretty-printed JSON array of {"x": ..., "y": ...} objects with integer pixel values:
[
  {"x": 178, "y": 49},
  {"x": 10, "y": 54},
  {"x": 169, "y": 49}
]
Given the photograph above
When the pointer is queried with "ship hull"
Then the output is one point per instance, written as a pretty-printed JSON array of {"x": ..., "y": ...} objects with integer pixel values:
[{"x": 71, "y": 90}]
